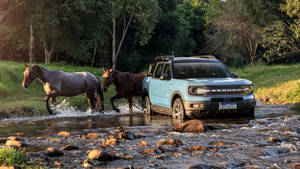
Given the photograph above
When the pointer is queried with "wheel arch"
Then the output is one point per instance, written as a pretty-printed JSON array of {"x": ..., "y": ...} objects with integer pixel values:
[{"x": 176, "y": 94}]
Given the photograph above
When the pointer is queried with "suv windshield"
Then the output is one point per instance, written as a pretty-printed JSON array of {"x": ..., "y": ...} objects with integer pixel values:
[{"x": 201, "y": 70}]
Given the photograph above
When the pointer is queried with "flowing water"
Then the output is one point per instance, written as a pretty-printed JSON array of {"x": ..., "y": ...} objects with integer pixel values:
[{"x": 270, "y": 140}]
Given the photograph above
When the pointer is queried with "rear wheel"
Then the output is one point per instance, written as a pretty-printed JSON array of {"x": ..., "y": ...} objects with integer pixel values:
[
  {"x": 147, "y": 105},
  {"x": 178, "y": 109}
]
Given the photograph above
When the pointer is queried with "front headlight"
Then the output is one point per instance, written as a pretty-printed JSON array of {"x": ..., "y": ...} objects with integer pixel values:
[
  {"x": 247, "y": 89},
  {"x": 198, "y": 91}
]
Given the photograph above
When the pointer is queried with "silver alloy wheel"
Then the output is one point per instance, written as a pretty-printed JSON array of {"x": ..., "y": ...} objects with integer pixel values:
[{"x": 178, "y": 109}]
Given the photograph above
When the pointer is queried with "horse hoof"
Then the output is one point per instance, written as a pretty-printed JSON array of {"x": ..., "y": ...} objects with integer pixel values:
[{"x": 117, "y": 110}]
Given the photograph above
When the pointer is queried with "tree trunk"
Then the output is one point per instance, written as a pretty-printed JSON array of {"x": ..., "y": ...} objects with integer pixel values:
[
  {"x": 114, "y": 59},
  {"x": 95, "y": 53},
  {"x": 48, "y": 52},
  {"x": 32, "y": 46}
]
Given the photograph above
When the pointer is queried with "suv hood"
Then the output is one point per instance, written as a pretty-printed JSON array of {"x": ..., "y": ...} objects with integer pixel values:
[{"x": 218, "y": 82}]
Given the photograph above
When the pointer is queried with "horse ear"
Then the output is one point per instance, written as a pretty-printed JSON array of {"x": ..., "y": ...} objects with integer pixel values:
[
  {"x": 104, "y": 70},
  {"x": 111, "y": 70},
  {"x": 25, "y": 65}
]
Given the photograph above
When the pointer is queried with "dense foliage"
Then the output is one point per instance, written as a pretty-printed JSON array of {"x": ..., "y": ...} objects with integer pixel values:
[{"x": 130, "y": 33}]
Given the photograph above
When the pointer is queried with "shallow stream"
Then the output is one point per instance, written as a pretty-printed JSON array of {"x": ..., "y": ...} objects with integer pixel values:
[{"x": 270, "y": 140}]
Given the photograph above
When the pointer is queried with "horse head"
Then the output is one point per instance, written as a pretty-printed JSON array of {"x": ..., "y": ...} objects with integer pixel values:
[
  {"x": 107, "y": 78},
  {"x": 30, "y": 74}
]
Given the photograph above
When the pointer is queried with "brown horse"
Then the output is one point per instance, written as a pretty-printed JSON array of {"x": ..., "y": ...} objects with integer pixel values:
[
  {"x": 127, "y": 85},
  {"x": 59, "y": 83}
]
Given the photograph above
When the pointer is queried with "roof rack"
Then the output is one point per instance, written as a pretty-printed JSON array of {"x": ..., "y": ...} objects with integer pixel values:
[
  {"x": 164, "y": 58},
  {"x": 205, "y": 56}
]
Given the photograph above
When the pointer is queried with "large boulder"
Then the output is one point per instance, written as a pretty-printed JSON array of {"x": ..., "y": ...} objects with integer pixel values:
[
  {"x": 100, "y": 155},
  {"x": 191, "y": 126}
]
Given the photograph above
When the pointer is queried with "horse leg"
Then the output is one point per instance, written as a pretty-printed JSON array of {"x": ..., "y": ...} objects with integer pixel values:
[
  {"x": 53, "y": 100},
  {"x": 130, "y": 104},
  {"x": 52, "y": 95},
  {"x": 47, "y": 105},
  {"x": 112, "y": 103},
  {"x": 91, "y": 100}
]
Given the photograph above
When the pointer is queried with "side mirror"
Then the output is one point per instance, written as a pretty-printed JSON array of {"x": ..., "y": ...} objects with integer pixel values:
[
  {"x": 234, "y": 75},
  {"x": 164, "y": 77}
]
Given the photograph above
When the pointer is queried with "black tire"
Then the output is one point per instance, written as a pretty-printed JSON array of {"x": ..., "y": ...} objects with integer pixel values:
[
  {"x": 178, "y": 111},
  {"x": 250, "y": 112},
  {"x": 147, "y": 106}
]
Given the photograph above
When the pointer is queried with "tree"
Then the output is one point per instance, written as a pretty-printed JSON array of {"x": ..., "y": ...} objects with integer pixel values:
[
  {"x": 278, "y": 43},
  {"x": 292, "y": 9},
  {"x": 123, "y": 13},
  {"x": 233, "y": 27}
]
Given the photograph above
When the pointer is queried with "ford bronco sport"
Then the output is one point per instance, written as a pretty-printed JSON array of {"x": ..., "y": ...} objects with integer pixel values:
[{"x": 195, "y": 87}]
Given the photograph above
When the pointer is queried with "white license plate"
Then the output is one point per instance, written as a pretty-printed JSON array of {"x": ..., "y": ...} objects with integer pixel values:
[{"x": 227, "y": 106}]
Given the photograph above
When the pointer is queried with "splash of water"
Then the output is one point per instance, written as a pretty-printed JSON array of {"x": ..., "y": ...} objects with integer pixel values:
[{"x": 64, "y": 109}]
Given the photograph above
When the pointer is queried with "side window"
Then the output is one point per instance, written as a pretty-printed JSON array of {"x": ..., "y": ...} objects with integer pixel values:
[
  {"x": 167, "y": 70},
  {"x": 158, "y": 70}
]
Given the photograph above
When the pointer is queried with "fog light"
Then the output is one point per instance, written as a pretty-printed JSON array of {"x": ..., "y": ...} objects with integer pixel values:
[{"x": 194, "y": 105}]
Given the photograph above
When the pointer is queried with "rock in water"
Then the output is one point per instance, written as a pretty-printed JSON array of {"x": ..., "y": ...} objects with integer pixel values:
[
  {"x": 52, "y": 152},
  {"x": 13, "y": 143},
  {"x": 204, "y": 166},
  {"x": 191, "y": 126},
  {"x": 100, "y": 155}
]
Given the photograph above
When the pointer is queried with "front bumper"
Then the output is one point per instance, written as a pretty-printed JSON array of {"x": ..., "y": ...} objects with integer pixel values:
[{"x": 205, "y": 108}]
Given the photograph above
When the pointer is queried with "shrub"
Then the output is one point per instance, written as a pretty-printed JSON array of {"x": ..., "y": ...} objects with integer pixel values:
[{"x": 9, "y": 156}]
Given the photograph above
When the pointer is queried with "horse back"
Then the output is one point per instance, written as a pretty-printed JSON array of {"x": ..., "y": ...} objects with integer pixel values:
[{"x": 132, "y": 85}]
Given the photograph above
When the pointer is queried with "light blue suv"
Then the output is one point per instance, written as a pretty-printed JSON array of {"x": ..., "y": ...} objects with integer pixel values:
[{"x": 195, "y": 87}]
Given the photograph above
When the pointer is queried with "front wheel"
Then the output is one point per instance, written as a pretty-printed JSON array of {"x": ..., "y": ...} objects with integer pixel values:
[
  {"x": 147, "y": 105},
  {"x": 178, "y": 109}
]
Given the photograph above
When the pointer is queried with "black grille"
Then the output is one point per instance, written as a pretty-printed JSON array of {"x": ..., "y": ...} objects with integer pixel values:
[{"x": 234, "y": 99}]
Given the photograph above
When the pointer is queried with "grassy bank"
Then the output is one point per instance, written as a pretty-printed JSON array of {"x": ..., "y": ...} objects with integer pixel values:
[
  {"x": 274, "y": 84},
  {"x": 17, "y": 101}
]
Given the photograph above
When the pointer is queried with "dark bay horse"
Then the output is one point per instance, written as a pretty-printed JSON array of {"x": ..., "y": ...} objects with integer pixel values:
[
  {"x": 59, "y": 83},
  {"x": 127, "y": 85}
]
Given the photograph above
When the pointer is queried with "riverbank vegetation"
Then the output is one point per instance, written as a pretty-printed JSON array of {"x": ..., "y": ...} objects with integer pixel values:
[{"x": 10, "y": 156}]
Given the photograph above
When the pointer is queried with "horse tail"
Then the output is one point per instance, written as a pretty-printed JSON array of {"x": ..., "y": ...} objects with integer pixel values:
[{"x": 100, "y": 98}]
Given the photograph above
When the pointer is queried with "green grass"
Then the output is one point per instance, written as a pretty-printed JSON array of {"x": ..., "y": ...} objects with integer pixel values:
[
  {"x": 18, "y": 101},
  {"x": 274, "y": 84},
  {"x": 9, "y": 156}
]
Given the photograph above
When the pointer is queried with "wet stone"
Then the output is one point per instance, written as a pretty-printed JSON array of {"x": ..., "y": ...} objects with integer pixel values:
[
  {"x": 58, "y": 164},
  {"x": 197, "y": 153},
  {"x": 13, "y": 138},
  {"x": 14, "y": 143},
  {"x": 286, "y": 130},
  {"x": 160, "y": 156},
  {"x": 63, "y": 133},
  {"x": 171, "y": 141},
  {"x": 204, "y": 166},
  {"x": 52, "y": 152},
  {"x": 100, "y": 155},
  {"x": 272, "y": 139},
  {"x": 93, "y": 136},
  {"x": 127, "y": 136},
  {"x": 221, "y": 143},
  {"x": 128, "y": 157},
  {"x": 142, "y": 143},
  {"x": 197, "y": 148},
  {"x": 118, "y": 129},
  {"x": 87, "y": 164},
  {"x": 191, "y": 126},
  {"x": 177, "y": 155},
  {"x": 69, "y": 147}
]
